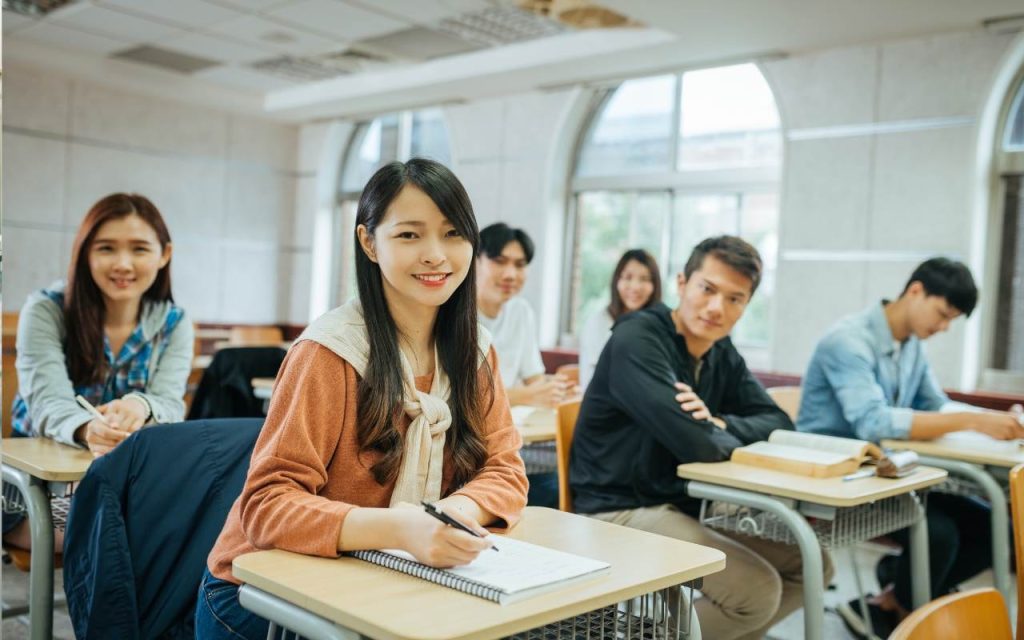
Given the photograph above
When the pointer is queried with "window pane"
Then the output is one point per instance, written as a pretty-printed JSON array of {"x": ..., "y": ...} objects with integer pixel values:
[
  {"x": 375, "y": 145},
  {"x": 608, "y": 224},
  {"x": 1015, "y": 124},
  {"x": 759, "y": 226},
  {"x": 430, "y": 136},
  {"x": 727, "y": 119},
  {"x": 634, "y": 131}
]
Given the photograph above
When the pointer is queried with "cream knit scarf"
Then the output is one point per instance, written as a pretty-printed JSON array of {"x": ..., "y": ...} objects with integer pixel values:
[{"x": 343, "y": 331}]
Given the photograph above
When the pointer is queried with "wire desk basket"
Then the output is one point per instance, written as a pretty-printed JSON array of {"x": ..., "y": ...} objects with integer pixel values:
[{"x": 834, "y": 527}]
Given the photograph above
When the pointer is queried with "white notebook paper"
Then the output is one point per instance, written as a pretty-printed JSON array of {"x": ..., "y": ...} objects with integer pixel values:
[{"x": 519, "y": 570}]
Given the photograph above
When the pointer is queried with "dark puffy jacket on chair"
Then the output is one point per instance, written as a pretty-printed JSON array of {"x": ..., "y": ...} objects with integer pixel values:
[
  {"x": 225, "y": 390},
  {"x": 142, "y": 522}
]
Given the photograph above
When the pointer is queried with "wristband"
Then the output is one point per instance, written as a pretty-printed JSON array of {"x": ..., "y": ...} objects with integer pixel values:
[{"x": 141, "y": 398}]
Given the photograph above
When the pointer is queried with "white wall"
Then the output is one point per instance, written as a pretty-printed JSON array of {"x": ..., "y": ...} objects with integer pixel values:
[
  {"x": 225, "y": 184},
  {"x": 878, "y": 172}
]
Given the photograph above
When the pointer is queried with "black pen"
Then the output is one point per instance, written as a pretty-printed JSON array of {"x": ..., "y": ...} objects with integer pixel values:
[{"x": 435, "y": 511}]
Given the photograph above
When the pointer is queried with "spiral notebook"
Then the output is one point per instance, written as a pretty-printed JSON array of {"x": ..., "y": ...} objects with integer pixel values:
[{"x": 520, "y": 570}]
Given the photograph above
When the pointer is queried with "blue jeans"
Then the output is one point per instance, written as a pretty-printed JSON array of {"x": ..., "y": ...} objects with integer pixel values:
[{"x": 219, "y": 616}]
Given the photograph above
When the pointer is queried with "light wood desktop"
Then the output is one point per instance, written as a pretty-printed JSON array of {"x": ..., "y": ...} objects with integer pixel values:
[
  {"x": 538, "y": 426},
  {"x": 46, "y": 459},
  {"x": 834, "y": 492},
  {"x": 963, "y": 452},
  {"x": 385, "y": 604},
  {"x": 40, "y": 467}
]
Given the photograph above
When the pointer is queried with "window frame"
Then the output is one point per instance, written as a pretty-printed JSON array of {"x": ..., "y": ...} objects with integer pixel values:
[{"x": 677, "y": 182}]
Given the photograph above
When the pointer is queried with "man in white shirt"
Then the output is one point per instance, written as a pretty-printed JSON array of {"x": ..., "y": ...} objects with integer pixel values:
[{"x": 505, "y": 254}]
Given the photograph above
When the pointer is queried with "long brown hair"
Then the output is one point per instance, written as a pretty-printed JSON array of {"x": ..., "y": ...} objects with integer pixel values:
[
  {"x": 379, "y": 393},
  {"x": 616, "y": 308},
  {"x": 84, "y": 309}
]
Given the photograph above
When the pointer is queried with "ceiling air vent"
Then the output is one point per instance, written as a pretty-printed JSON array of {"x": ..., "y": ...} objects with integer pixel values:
[
  {"x": 34, "y": 8},
  {"x": 322, "y": 67},
  {"x": 165, "y": 59},
  {"x": 500, "y": 25}
]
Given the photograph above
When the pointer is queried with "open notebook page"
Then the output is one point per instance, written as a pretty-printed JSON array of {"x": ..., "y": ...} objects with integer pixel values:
[{"x": 520, "y": 566}]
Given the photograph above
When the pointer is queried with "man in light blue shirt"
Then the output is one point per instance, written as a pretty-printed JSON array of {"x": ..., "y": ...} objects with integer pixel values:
[{"x": 869, "y": 378}]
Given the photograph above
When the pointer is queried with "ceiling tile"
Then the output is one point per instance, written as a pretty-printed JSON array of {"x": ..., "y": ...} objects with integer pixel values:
[
  {"x": 69, "y": 39},
  {"x": 265, "y": 33},
  {"x": 216, "y": 48},
  {"x": 188, "y": 13},
  {"x": 111, "y": 23},
  {"x": 241, "y": 78},
  {"x": 337, "y": 19}
]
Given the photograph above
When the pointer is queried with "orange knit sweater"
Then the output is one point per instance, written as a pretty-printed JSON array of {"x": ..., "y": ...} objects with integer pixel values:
[{"x": 307, "y": 472}]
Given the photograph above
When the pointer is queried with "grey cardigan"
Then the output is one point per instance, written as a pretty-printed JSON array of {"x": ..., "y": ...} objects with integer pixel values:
[{"x": 48, "y": 392}]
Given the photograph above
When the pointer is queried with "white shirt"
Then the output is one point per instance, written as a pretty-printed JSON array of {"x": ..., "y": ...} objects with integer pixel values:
[
  {"x": 593, "y": 337},
  {"x": 514, "y": 337}
]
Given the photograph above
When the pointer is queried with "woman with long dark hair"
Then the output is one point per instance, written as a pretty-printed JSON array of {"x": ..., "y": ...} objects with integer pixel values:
[
  {"x": 380, "y": 404},
  {"x": 110, "y": 333},
  {"x": 635, "y": 284}
]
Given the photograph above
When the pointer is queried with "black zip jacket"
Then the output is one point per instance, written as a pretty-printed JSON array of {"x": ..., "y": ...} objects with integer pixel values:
[{"x": 631, "y": 433}]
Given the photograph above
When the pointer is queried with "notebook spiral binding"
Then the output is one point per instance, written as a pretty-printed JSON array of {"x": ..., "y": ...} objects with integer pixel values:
[{"x": 431, "y": 574}]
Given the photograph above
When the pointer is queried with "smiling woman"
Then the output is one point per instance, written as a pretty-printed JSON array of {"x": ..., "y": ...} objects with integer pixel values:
[
  {"x": 382, "y": 403},
  {"x": 111, "y": 334}
]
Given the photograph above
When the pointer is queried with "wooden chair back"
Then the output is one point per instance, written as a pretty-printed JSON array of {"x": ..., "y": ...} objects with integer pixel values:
[
  {"x": 788, "y": 399},
  {"x": 1017, "y": 517},
  {"x": 8, "y": 374},
  {"x": 571, "y": 371},
  {"x": 255, "y": 337},
  {"x": 567, "y": 414},
  {"x": 979, "y": 613}
]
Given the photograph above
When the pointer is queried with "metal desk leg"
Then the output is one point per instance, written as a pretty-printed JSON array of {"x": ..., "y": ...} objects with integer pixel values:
[
  {"x": 810, "y": 549},
  {"x": 290, "y": 617},
  {"x": 1000, "y": 518},
  {"x": 40, "y": 522},
  {"x": 920, "y": 571}
]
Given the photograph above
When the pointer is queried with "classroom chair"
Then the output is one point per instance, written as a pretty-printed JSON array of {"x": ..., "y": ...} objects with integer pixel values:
[
  {"x": 142, "y": 522},
  {"x": 1017, "y": 518},
  {"x": 979, "y": 613},
  {"x": 567, "y": 414},
  {"x": 788, "y": 399}
]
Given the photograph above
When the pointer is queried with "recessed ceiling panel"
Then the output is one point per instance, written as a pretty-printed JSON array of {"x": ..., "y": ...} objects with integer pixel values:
[
  {"x": 336, "y": 19},
  {"x": 165, "y": 59},
  {"x": 417, "y": 43}
]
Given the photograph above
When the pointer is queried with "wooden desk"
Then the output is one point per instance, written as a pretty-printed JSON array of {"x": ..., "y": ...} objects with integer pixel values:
[
  {"x": 39, "y": 467},
  {"x": 986, "y": 473},
  {"x": 535, "y": 424},
  {"x": 789, "y": 499},
  {"x": 262, "y": 387},
  {"x": 361, "y": 597}
]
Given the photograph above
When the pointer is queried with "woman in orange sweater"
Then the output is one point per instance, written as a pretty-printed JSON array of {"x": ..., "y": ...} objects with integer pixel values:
[{"x": 380, "y": 404}]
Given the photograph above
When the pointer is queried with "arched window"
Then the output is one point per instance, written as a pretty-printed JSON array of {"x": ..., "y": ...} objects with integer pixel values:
[
  {"x": 667, "y": 161},
  {"x": 1008, "y": 344},
  {"x": 396, "y": 136}
]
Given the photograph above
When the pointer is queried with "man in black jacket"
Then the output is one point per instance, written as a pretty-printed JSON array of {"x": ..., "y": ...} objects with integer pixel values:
[{"x": 670, "y": 388}]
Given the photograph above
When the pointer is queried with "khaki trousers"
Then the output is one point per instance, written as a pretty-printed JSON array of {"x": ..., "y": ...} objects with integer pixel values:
[{"x": 760, "y": 585}]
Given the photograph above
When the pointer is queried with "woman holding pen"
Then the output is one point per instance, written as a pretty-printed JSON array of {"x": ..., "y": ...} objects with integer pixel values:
[
  {"x": 110, "y": 333},
  {"x": 381, "y": 404}
]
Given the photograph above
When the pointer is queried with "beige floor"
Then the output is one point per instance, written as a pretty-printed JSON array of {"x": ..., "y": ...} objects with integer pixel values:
[{"x": 15, "y": 591}]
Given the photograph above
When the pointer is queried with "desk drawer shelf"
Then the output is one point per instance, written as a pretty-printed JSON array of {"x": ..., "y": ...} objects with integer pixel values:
[
  {"x": 647, "y": 618},
  {"x": 539, "y": 457},
  {"x": 834, "y": 528}
]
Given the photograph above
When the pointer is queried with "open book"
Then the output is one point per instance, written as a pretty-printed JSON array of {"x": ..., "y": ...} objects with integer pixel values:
[
  {"x": 981, "y": 442},
  {"x": 808, "y": 454},
  {"x": 519, "y": 570}
]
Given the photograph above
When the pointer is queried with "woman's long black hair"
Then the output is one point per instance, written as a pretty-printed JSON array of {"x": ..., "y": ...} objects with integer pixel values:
[{"x": 380, "y": 391}]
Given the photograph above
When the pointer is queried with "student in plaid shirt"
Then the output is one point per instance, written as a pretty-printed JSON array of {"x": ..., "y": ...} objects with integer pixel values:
[{"x": 112, "y": 333}]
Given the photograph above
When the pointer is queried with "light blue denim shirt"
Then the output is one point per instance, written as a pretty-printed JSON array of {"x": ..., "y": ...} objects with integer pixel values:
[{"x": 854, "y": 388}]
